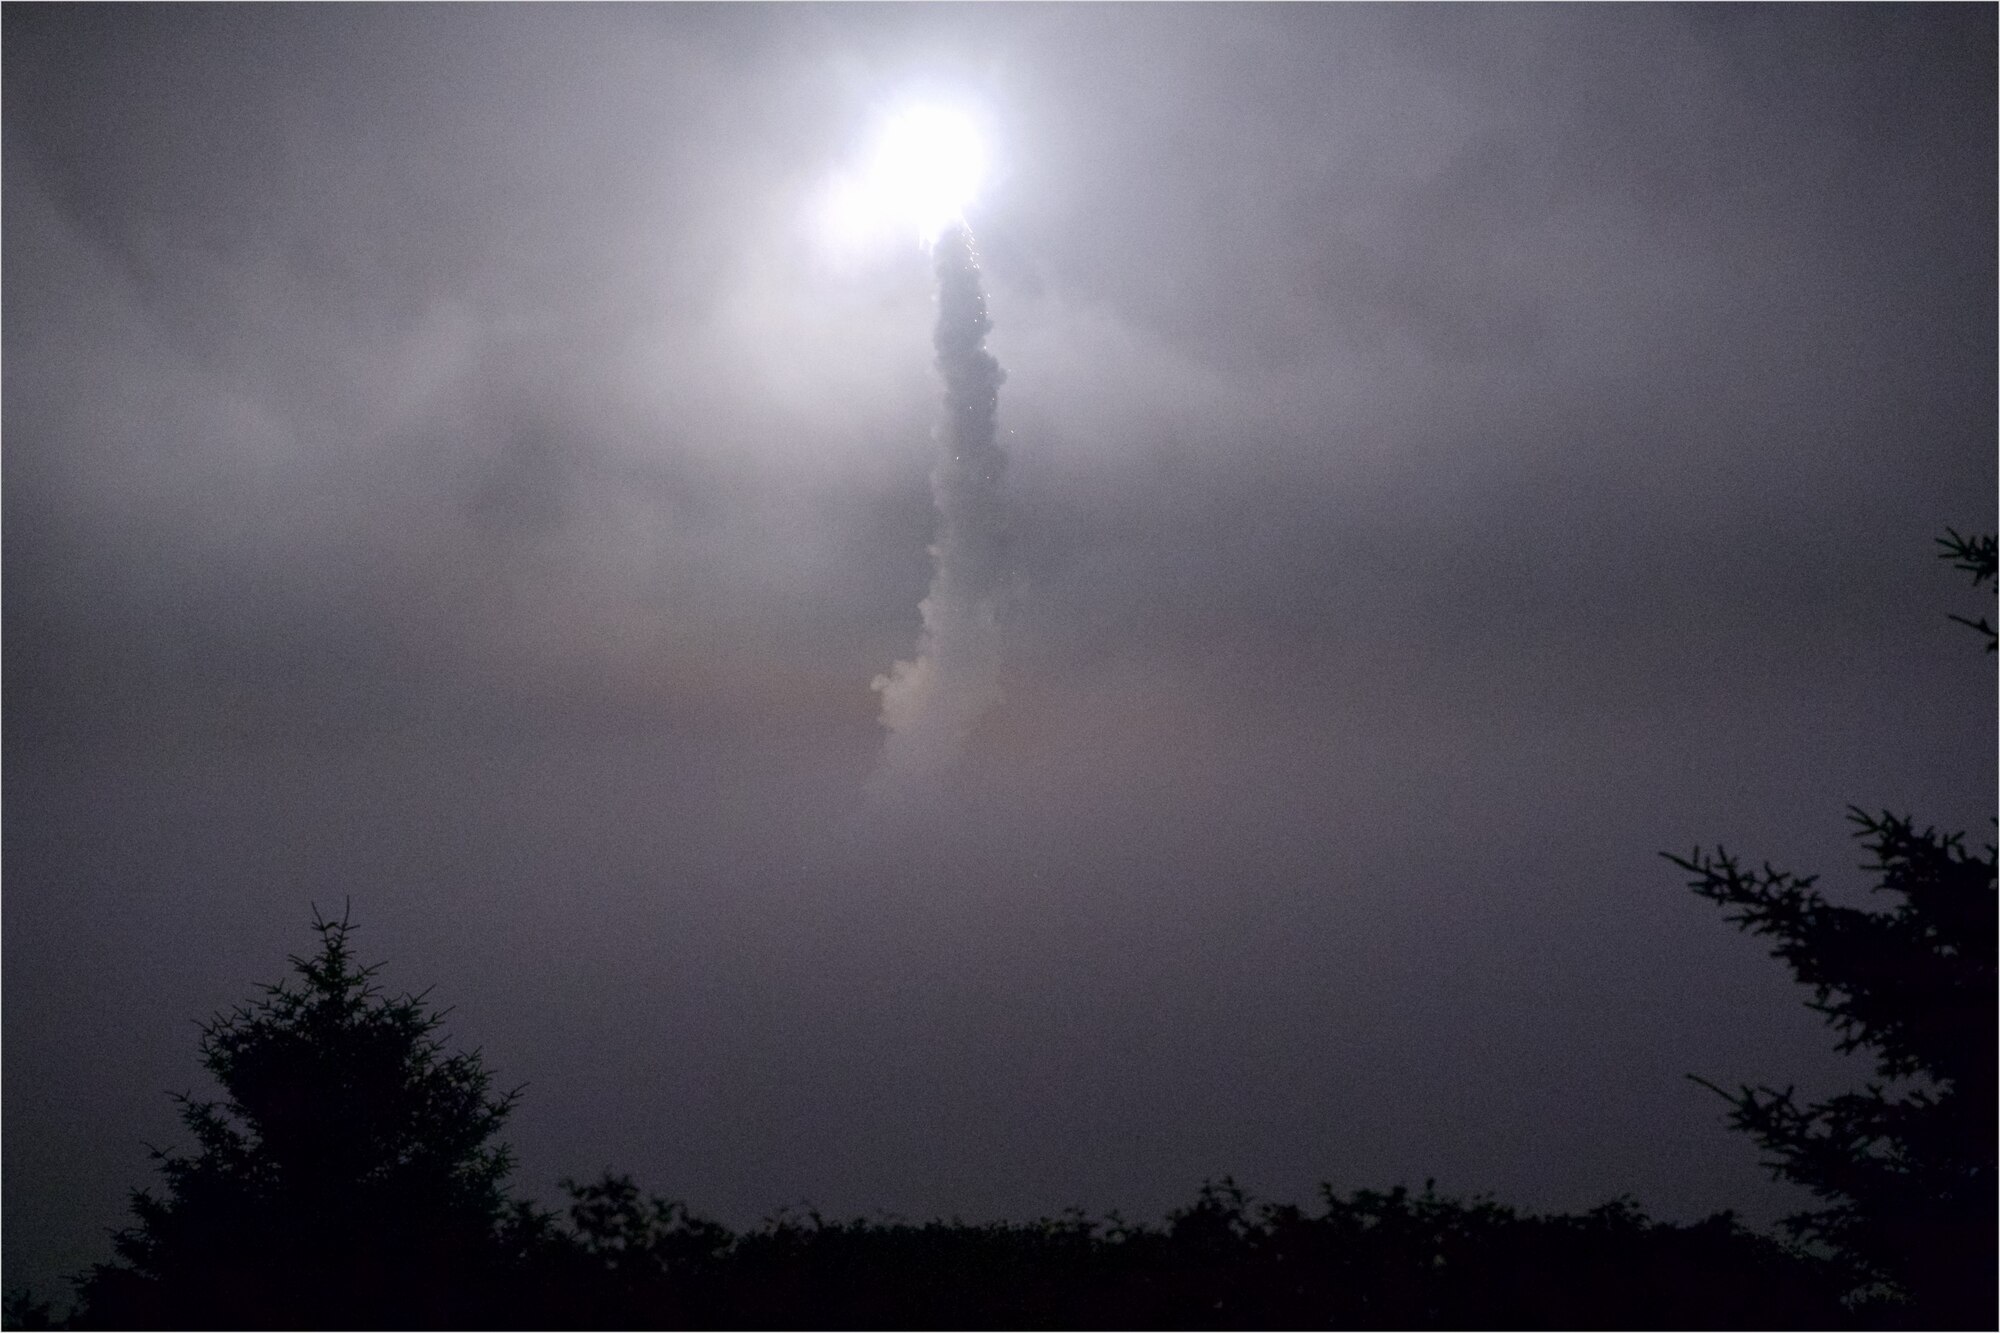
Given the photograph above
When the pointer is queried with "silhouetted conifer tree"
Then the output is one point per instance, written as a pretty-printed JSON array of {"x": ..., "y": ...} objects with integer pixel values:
[
  {"x": 348, "y": 1177},
  {"x": 1906, "y": 1165}
]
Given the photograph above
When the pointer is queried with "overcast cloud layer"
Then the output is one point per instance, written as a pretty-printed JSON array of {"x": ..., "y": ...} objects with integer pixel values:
[{"x": 1454, "y": 455}]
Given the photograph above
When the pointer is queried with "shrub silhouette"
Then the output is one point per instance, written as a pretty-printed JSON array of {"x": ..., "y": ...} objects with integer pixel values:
[
  {"x": 1906, "y": 1165},
  {"x": 1371, "y": 1259},
  {"x": 347, "y": 1177}
]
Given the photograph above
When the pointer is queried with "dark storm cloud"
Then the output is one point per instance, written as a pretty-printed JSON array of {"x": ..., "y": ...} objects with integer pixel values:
[{"x": 1453, "y": 454}]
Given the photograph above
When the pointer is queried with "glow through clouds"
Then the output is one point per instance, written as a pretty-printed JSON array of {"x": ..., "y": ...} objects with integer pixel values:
[{"x": 923, "y": 169}]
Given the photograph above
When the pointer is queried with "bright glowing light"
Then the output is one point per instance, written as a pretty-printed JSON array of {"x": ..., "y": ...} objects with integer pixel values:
[
  {"x": 927, "y": 167},
  {"x": 924, "y": 170}
]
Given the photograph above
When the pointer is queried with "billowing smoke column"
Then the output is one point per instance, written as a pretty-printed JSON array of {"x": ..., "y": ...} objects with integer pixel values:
[{"x": 929, "y": 705}]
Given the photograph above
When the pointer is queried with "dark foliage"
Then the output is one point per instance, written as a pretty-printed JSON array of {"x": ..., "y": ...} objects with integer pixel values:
[
  {"x": 21, "y": 1309},
  {"x": 1905, "y": 1166},
  {"x": 347, "y": 1178},
  {"x": 1370, "y": 1260},
  {"x": 1977, "y": 556}
]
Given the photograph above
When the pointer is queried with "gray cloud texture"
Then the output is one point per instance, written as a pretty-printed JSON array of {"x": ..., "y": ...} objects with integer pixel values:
[{"x": 1453, "y": 454}]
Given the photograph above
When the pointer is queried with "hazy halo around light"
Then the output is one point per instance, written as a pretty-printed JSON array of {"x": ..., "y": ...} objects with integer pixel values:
[{"x": 922, "y": 168}]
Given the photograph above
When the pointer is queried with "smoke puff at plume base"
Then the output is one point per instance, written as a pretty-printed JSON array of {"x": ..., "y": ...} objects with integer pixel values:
[{"x": 930, "y": 704}]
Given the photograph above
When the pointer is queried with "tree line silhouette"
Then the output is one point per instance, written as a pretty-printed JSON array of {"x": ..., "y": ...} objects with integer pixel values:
[{"x": 351, "y": 1175}]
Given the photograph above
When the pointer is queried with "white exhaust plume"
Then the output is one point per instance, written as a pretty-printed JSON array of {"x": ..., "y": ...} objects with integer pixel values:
[{"x": 930, "y": 705}]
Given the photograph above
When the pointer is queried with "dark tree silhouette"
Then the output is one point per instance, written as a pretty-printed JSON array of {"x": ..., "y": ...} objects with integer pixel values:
[
  {"x": 1977, "y": 556},
  {"x": 1905, "y": 1166},
  {"x": 348, "y": 1177}
]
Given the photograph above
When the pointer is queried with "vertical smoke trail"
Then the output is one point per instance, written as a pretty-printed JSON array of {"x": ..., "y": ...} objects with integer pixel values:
[{"x": 930, "y": 704}]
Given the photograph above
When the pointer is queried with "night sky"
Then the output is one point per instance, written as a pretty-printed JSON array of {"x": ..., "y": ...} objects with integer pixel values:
[{"x": 1454, "y": 454}]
